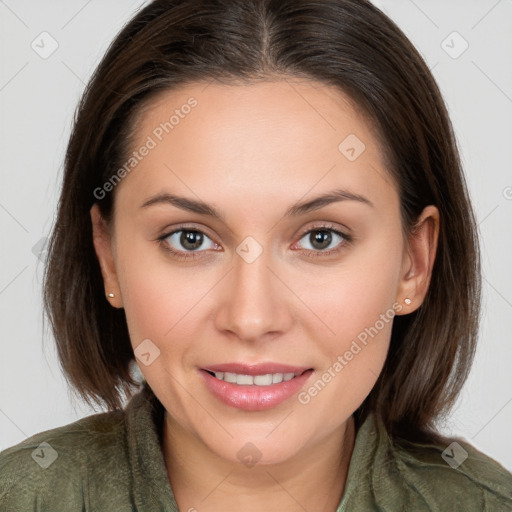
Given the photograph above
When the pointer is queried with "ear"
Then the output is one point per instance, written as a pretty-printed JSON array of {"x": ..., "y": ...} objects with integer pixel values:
[
  {"x": 103, "y": 243},
  {"x": 418, "y": 260}
]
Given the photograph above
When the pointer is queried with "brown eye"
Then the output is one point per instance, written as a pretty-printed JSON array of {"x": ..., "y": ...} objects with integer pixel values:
[
  {"x": 321, "y": 239},
  {"x": 183, "y": 243},
  {"x": 185, "y": 239},
  {"x": 191, "y": 240}
]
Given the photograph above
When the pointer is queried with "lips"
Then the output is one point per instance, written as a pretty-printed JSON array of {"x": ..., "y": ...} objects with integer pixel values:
[{"x": 256, "y": 394}]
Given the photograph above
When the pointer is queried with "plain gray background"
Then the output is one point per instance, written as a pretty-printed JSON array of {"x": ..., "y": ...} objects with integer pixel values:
[{"x": 467, "y": 44}]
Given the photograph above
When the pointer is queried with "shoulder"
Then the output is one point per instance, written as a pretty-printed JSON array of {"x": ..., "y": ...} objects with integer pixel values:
[
  {"x": 391, "y": 474},
  {"x": 57, "y": 464},
  {"x": 456, "y": 476}
]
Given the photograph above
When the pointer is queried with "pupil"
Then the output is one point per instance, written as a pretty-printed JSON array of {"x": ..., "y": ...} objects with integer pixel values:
[
  {"x": 187, "y": 239},
  {"x": 321, "y": 237}
]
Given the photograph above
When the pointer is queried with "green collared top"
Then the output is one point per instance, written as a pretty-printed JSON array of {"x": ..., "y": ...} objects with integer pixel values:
[{"x": 113, "y": 462}]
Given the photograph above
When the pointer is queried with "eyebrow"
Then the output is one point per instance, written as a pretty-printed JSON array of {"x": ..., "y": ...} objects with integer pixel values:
[{"x": 197, "y": 206}]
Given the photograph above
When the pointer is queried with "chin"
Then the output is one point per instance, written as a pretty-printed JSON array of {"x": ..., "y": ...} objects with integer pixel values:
[{"x": 251, "y": 450}]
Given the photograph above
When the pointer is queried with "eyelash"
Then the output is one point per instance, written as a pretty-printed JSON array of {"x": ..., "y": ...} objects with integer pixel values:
[{"x": 187, "y": 255}]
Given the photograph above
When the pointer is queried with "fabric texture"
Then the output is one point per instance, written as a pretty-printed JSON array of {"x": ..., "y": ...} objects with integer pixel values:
[{"x": 113, "y": 462}]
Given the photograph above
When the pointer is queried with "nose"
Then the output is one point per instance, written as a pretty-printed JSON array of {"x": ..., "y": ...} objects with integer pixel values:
[{"x": 255, "y": 302}]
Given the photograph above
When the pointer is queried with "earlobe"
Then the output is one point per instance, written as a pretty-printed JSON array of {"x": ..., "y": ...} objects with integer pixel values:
[
  {"x": 103, "y": 247},
  {"x": 418, "y": 260}
]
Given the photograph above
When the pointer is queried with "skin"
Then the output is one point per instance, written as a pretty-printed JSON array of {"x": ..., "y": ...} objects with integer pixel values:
[{"x": 253, "y": 151}]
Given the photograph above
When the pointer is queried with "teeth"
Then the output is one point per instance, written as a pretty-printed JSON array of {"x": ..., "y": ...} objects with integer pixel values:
[{"x": 256, "y": 380}]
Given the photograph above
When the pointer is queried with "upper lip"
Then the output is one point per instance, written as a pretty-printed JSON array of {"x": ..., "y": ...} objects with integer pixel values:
[{"x": 256, "y": 369}]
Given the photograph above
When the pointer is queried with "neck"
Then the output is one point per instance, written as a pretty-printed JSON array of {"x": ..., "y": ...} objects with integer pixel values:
[{"x": 313, "y": 479}]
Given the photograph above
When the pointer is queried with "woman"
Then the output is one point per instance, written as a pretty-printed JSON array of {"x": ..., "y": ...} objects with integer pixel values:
[{"x": 263, "y": 206}]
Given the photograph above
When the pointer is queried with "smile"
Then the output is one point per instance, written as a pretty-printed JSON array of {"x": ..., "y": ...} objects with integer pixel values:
[
  {"x": 256, "y": 392},
  {"x": 254, "y": 380}
]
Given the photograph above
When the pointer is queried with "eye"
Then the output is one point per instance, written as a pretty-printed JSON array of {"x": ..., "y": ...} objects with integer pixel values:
[
  {"x": 324, "y": 240},
  {"x": 183, "y": 241}
]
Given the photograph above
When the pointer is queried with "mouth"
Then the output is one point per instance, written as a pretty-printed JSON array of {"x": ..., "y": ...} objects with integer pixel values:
[
  {"x": 260, "y": 374},
  {"x": 254, "y": 387},
  {"x": 266, "y": 379}
]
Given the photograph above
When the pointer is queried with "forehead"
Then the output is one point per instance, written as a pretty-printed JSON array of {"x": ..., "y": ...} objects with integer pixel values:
[{"x": 290, "y": 134}]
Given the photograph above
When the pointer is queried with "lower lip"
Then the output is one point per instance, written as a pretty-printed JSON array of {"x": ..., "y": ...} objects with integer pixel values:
[{"x": 254, "y": 398}]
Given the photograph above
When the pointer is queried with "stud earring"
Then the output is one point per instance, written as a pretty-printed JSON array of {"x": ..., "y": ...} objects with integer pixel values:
[
  {"x": 408, "y": 301},
  {"x": 111, "y": 295}
]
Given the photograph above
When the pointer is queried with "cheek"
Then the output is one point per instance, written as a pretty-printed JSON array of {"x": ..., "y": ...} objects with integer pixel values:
[
  {"x": 352, "y": 296},
  {"x": 157, "y": 297},
  {"x": 353, "y": 357},
  {"x": 357, "y": 302}
]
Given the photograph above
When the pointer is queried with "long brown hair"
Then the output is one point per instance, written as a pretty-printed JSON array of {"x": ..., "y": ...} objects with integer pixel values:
[{"x": 347, "y": 43}]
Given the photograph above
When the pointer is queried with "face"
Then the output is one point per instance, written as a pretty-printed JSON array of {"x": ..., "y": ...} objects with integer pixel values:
[{"x": 312, "y": 290}]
